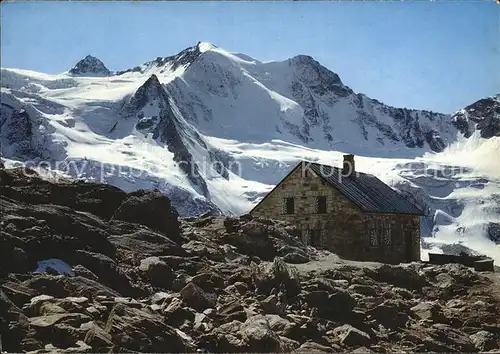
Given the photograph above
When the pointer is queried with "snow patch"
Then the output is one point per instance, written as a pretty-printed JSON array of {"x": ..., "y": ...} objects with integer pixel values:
[{"x": 56, "y": 264}]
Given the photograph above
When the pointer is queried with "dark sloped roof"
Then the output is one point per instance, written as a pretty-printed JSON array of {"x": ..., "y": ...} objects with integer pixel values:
[{"x": 366, "y": 191}]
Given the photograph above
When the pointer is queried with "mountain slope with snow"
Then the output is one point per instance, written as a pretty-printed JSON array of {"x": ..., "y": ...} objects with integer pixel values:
[{"x": 216, "y": 130}]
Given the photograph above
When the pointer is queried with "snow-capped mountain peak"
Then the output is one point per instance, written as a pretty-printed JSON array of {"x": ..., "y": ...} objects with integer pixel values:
[
  {"x": 150, "y": 91},
  {"x": 205, "y": 46},
  {"x": 90, "y": 66}
]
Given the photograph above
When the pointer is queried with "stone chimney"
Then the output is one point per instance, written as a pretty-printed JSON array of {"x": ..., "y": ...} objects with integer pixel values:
[{"x": 348, "y": 169}]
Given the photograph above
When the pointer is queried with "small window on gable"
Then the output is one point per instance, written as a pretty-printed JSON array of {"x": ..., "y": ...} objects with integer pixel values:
[
  {"x": 289, "y": 206},
  {"x": 320, "y": 205}
]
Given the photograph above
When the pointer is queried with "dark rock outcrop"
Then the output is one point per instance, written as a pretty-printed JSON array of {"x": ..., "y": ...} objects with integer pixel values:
[
  {"x": 98, "y": 199},
  {"x": 166, "y": 128},
  {"x": 183, "y": 59},
  {"x": 493, "y": 230},
  {"x": 483, "y": 115},
  {"x": 90, "y": 66},
  {"x": 152, "y": 209},
  {"x": 25, "y": 132}
]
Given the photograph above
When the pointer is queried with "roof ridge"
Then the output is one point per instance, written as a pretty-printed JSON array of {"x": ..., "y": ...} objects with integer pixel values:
[
  {"x": 367, "y": 191},
  {"x": 338, "y": 168}
]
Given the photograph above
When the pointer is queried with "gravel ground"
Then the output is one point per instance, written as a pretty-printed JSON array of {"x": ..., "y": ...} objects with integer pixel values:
[{"x": 326, "y": 260}]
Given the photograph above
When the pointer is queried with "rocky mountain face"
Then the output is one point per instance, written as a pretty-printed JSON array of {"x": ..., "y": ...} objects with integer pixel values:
[
  {"x": 90, "y": 66},
  {"x": 173, "y": 62},
  {"x": 121, "y": 272},
  {"x": 24, "y": 132},
  {"x": 166, "y": 127},
  {"x": 482, "y": 116},
  {"x": 315, "y": 85}
]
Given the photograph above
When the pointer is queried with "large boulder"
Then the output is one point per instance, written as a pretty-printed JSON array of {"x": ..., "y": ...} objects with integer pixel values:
[
  {"x": 403, "y": 276},
  {"x": 484, "y": 340},
  {"x": 451, "y": 337},
  {"x": 313, "y": 347},
  {"x": 198, "y": 299},
  {"x": 336, "y": 305},
  {"x": 389, "y": 314},
  {"x": 140, "y": 330},
  {"x": 427, "y": 310},
  {"x": 276, "y": 275},
  {"x": 98, "y": 199},
  {"x": 252, "y": 336},
  {"x": 98, "y": 339},
  {"x": 157, "y": 272},
  {"x": 135, "y": 243},
  {"x": 252, "y": 238},
  {"x": 38, "y": 232},
  {"x": 13, "y": 322},
  {"x": 258, "y": 336},
  {"x": 152, "y": 209},
  {"x": 351, "y": 336},
  {"x": 107, "y": 271},
  {"x": 62, "y": 286}
]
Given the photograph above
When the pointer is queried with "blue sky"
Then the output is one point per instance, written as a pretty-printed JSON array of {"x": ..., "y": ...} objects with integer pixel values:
[{"x": 439, "y": 55}]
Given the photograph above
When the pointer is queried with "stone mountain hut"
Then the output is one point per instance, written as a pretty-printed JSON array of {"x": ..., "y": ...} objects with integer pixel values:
[{"x": 352, "y": 214}]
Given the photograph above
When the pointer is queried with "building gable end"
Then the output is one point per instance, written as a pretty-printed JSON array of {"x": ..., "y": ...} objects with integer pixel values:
[{"x": 270, "y": 193}]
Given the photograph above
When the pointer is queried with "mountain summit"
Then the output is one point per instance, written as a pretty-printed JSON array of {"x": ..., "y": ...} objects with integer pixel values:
[{"x": 90, "y": 66}]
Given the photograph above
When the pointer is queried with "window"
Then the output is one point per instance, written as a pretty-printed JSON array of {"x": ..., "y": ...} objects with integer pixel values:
[
  {"x": 288, "y": 206},
  {"x": 320, "y": 205}
]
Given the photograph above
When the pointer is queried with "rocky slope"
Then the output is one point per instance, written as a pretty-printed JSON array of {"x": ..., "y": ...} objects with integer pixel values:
[{"x": 140, "y": 279}]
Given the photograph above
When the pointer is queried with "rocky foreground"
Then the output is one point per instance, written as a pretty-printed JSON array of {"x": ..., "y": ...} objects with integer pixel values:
[{"x": 143, "y": 280}]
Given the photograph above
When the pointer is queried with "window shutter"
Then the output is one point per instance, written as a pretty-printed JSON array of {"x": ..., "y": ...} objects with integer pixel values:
[
  {"x": 415, "y": 237},
  {"x": 306, "y": 236},
  {"x": 320, "y": 205},
  {"x": 288, "y": 206},
  {"x": 373, "y": 238},
  {"x": 387, "y": 236}
]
